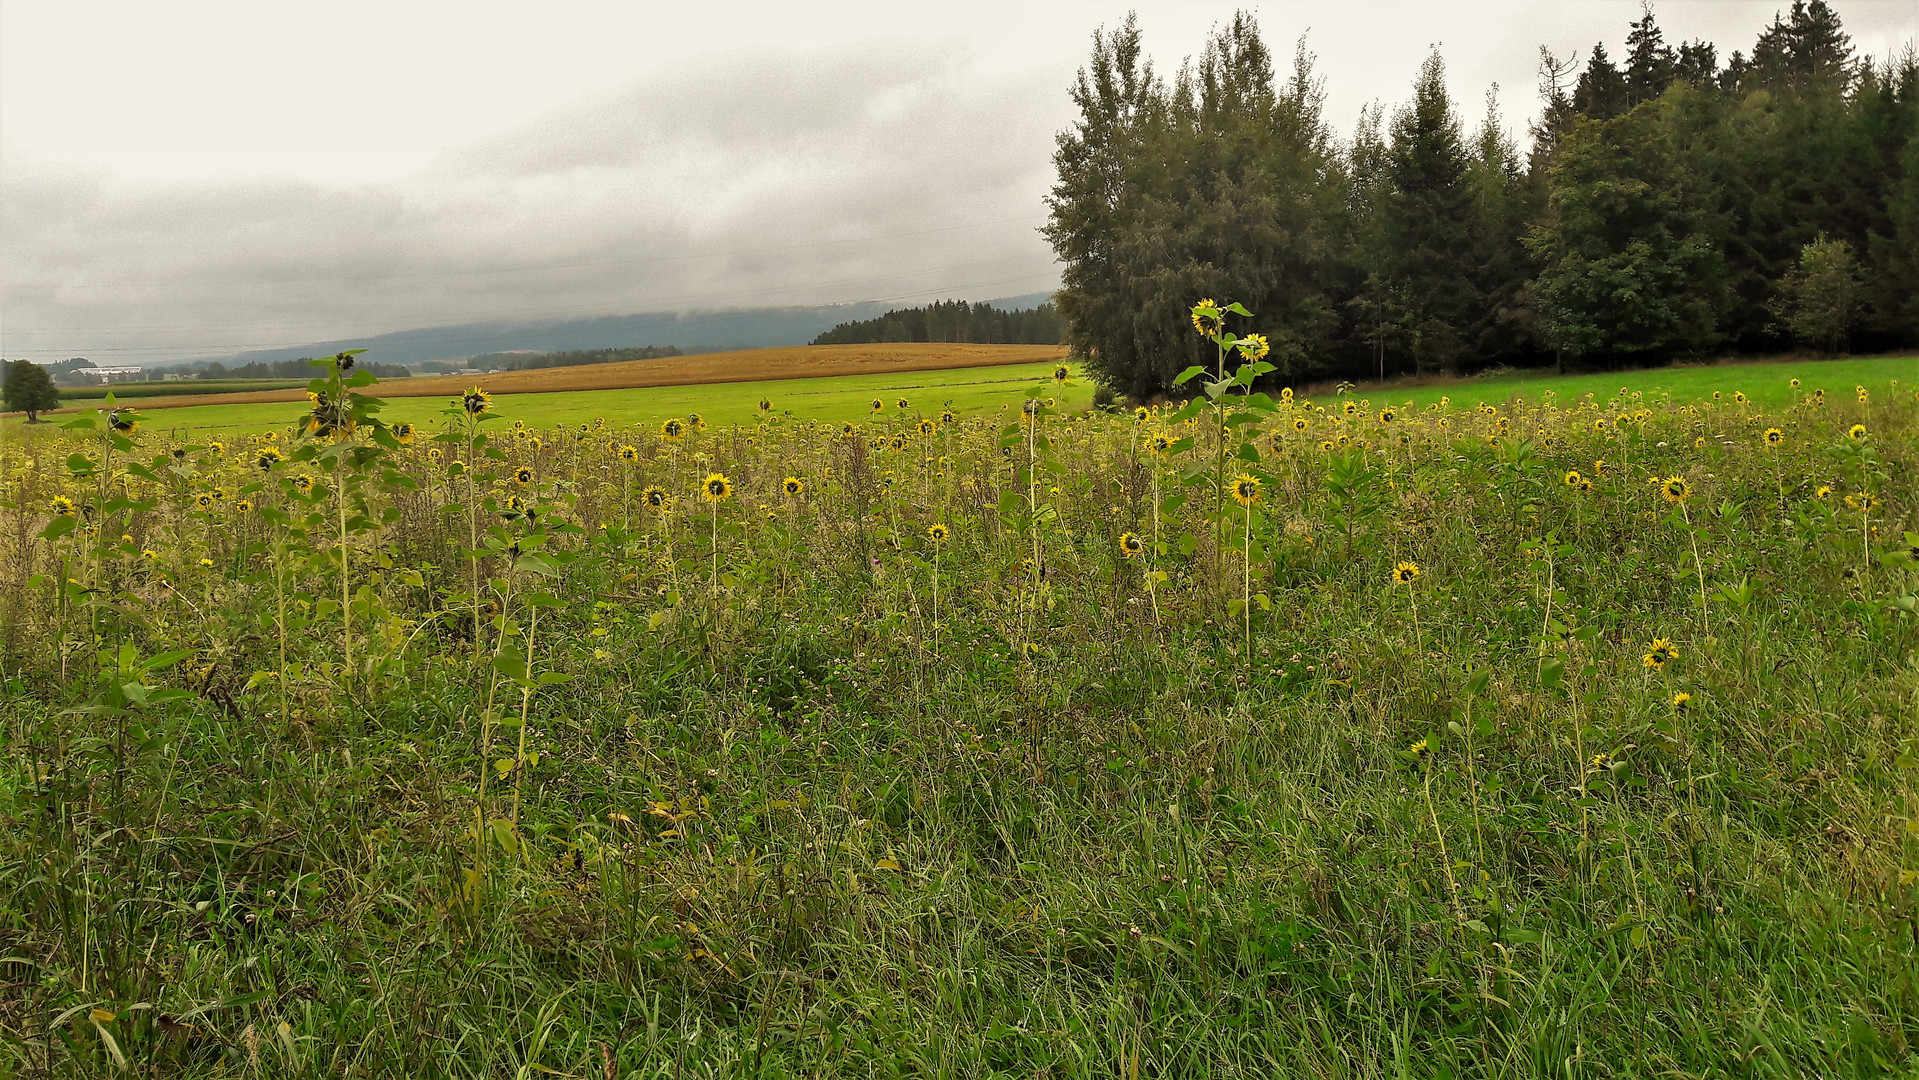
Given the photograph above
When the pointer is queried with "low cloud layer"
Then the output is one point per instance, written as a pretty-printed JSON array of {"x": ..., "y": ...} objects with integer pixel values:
[{"x": 801, "y": 178}]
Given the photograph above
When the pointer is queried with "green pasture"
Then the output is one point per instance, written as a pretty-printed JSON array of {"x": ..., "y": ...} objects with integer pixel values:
[
  {"x": 1769, "y": 385},
  {"x": 968, "y": 391},
  {"x": 130, "y": 391}
]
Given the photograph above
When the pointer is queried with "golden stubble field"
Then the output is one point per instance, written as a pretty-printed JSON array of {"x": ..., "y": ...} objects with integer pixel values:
[{"x": 744, "y": 365}]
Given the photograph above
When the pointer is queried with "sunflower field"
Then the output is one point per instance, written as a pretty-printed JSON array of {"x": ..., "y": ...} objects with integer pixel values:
[{"x": 1246, "y": 736}]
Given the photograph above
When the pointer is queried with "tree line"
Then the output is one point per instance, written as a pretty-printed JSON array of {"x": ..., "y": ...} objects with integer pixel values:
[
  {"x": 1669, "y": 205},
  {"x": 515, "y": 361},
  {"x": 955, "y": 321}
]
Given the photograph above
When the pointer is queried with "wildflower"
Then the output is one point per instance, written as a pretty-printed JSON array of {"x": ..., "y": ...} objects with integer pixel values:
[
  {"x": 523, "y": 476},
  {"x": 1326, "y": 446},
  {"x": 1130, "y": 545},
  {"x": 1387, "y": 416},
  {"x": 936, "y": 533},
  {"x": 1795, "y": 384},
  {"x": 1160, "y": 443},
  {"x": 1699, "y": 443},
  {"x": 217, "y": 449},
  {"x": 434, "y": 454},
  {"x": 1739, "y": 396},
  {"x": 1142, "y": 414},
  {"x": 1658, "y": 654},
  {"x": 1586, "y": 487},
  {"x": 149, "y": 554},
  {"x": 1573, "y": 478},
  {"x": 1246, "y": 489},
  {"x": 476, "y": 401},
  {"x": 1774, "y": 437},
  {"x": 62, "y": 506},
  {"x": 655, "y": 497},
  {"x": 695, "y": 421},
  {"x": 206, "y": 564},
  {"x": 765, "y": 405},
  {"x": 717, "y": 488},
  {"x": 122, "y": 422},
  {"x": 847, "y": 428},
  {"x": 1405, "y": 573},
  {"x": 303, "y": 483},
  {"x": 794, "y": 486},
  {"x": 1681, "y": 701},
  {"x": 1823, "y": 491},
  {"x": 1856, "y": 433},
  {"x": 1860, "y": 393},
  {"x": 204, "y": 500},
  {"x": 901, "y": 403},
  {"x": 1600, "y": 423},
  {"x": 674, "y": 428},
  {"x": 1418, "y": 748},
  {"x": 629, "y": 453},
  {"x": 266, "y": 457},
  {"x": 896, "y": 443},
  {"x": 1675, "y": 489},
  {"x": 1254, "y": 346},
  {"x": 1349, "y": 407},
  {"x": 948, "y": 418},
  {"x": 1865, "y": 502}
]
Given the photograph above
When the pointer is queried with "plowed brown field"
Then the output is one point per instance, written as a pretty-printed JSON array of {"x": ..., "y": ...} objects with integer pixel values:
[{"x": 746, "y": 365}]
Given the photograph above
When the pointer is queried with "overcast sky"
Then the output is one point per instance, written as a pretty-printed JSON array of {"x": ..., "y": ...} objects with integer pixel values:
[{"x": 186, "y": 178}]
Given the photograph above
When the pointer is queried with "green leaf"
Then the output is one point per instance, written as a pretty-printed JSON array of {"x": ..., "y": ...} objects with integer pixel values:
[{"x": 1188, "y": 375}]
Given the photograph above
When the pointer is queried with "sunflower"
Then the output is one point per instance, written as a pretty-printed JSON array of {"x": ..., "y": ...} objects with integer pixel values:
[
  {"x": 1795, "y": 384},
  {"x": 1739, "y": 396},
  {"x": 204, "y": 500},
  {"x": 1658, "y": 654},
  {"x": 515, "y": 504},
  {"x": 717, "y": 488},
  {"x": 1699, "y": 443},
  {"x": 303, "y": 483},
  {"x": 243, "y": 506},
  {"x": 1141, "y": 414},
  {"x": 1675, "y": 489},
  {"x": 1326, "y": 446},
  {"x": 878, "y": 405},
  {"x": 217, "y": 449},
  {"x": 948, "y": 417},
  {"x": 1572, "y": 478},
  {"x": 434, "y": 454},
  {"x": 673, "y": 429},
  {"x": 847, "y": 429},
  {"x": 1715, "y": 395},
  {"x": 1586, "y": 487},
  {"x": 1819, "y": 395},
  {"x": 62, "y": 506},
  {"x": 629, "y": 453},
  {"x": 1823, "y": 491},
  {"x": 1387, "y": 416},
  {"x": 206, "y": 564},
  {"x": 1062, "y": 373},
  {"x": 523, "y": 476},
  {"x": 901, "y": 403},
  {"x": 1245, "y": 489},
  {"x": 1681, "y": 701},
  {"x": 1254, "y": 346},
  {"x": 1405, "y": 573},
  {"x": 1160, "y": 443},
  {"x": 149, "y": 555},
  {"x": 1130, "y": 545},
  {"x": 1856, "y": 432},
  {"x": 123, "y": 422},
  {"x": 655, "y": 497},
  {"x": 403, "y": 433},
  {"x": 1349, "y": 407},
  {"x": 266, "y": 458},
  {"x": 476, "y": 401},
  {"x": 927, "y": 427},
  {"x": 1600, "y": 423},
  {"x": 1204, "y": 312},
  {"x": 896, "y": 443},
  {"x": 1299, "y": 423},
  {"x": 1860, "y": 393},
  {"x": 936, "y": 533},
  {"x": 1865, "y": 502},
  {"x": 1774, "y": 436},
  {"x": 794, "y": 486},
  {"x": 765, "y": 405}
]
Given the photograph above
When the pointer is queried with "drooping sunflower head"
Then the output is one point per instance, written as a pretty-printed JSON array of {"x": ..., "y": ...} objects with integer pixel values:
[
  {"x": 654, "y": 497},
  {"x": 1130, "y": 545},
  {"x": 1245, "y": 489},
  {"x": 936, "y": 533},
  {"x": 1206, "y": 316},
  {"x": 476, "y": 401},
  {"x": 629, "y": 453},
  {"x": 1857, "y": 432},
  {"x": 1681, "y": 701},
  {"x": 1658, "y": 654},
  {"x": 717, "y": 488},
  {"x": 1405, "y": 573},
  {"x": 794, "y": 486},
  {"x": 1774, "y": 436},
  {"x": 62, "y": 505},
  {"x": 1675, "y": 489},
  {"x": 1254, "y": 346},
  {"x": 523, "y": 476},
  {"x": 266, "y": 458},
  {"x": 1572, "y": 478}
]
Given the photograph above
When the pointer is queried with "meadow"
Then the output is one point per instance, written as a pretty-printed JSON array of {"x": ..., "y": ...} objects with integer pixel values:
[{"x": 1562, "y": 727}]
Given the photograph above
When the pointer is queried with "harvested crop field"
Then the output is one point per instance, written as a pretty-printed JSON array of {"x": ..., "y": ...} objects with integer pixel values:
[{"x": 745, "y": 365}]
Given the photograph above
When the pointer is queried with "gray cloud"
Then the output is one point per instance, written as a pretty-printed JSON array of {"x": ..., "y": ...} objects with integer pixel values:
[{"x": 804, "y": 177}]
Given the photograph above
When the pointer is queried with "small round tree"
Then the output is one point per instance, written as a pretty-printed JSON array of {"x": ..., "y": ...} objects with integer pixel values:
[
  {"x": 1820, "y": 296},
  {"x": 29, "y": 389}
]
